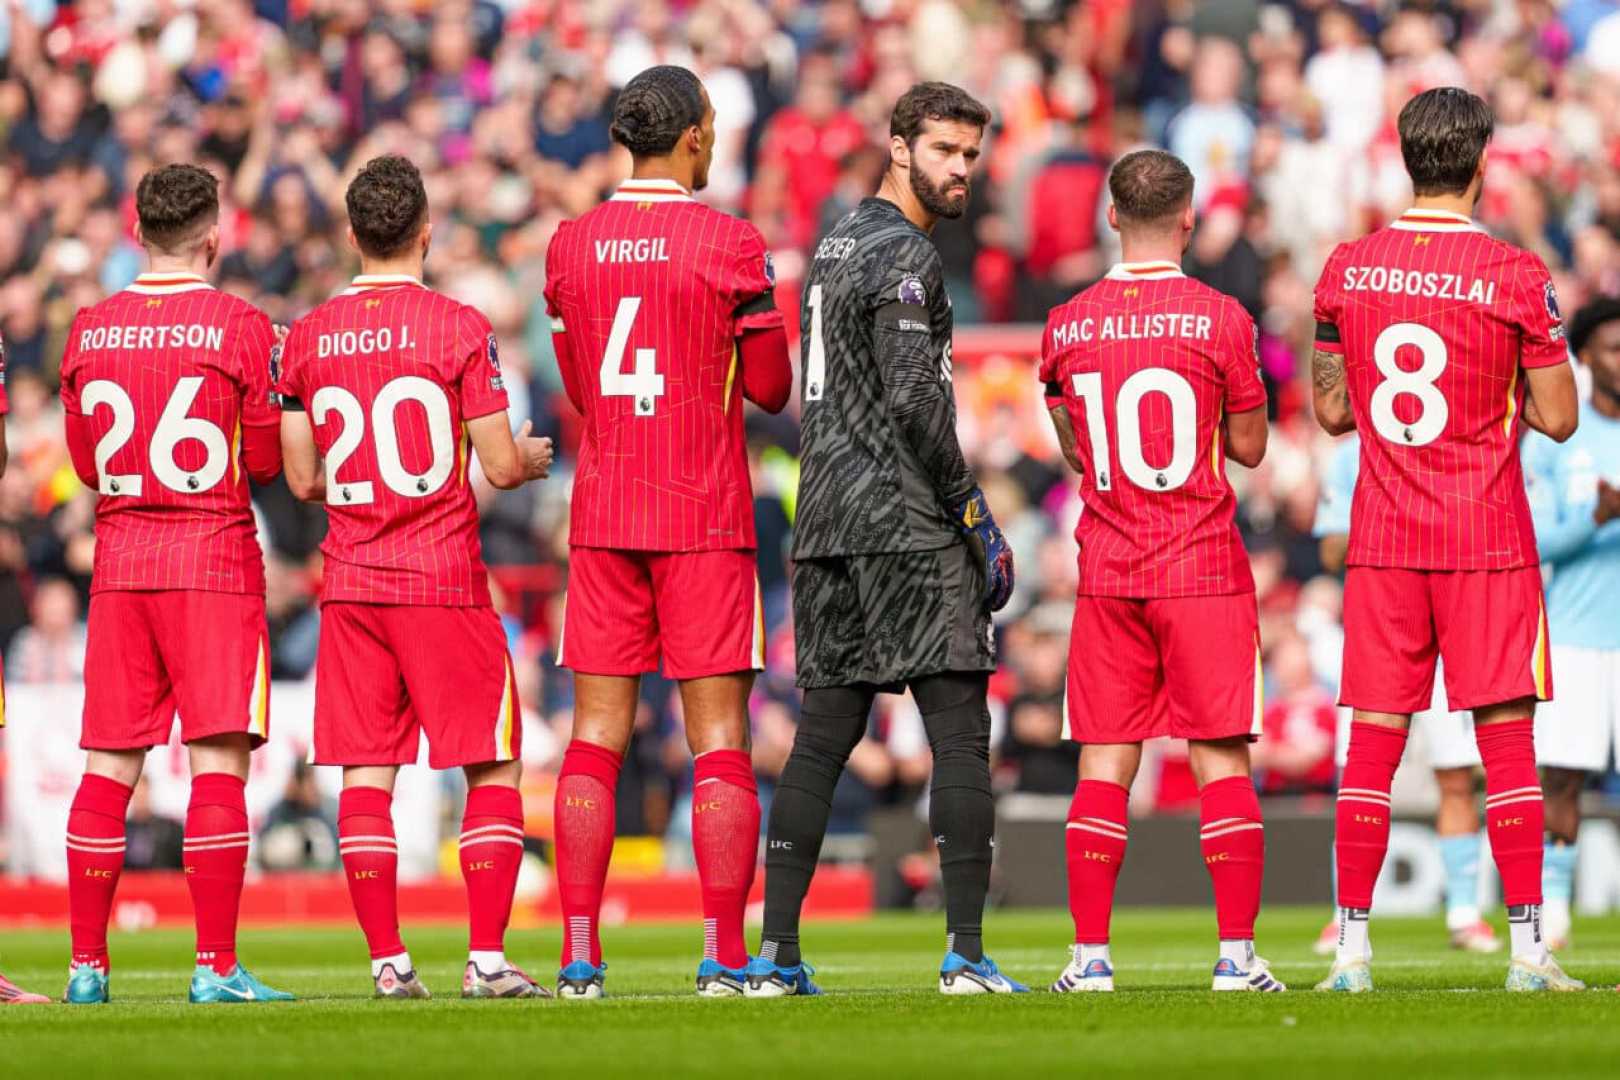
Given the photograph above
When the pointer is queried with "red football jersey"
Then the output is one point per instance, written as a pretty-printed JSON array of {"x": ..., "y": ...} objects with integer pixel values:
[
  {"x": 1147, "y": 361},
  {"x": 166, "y": 375},
  {"x": 650, "y": 290},
  {"x": 389, "y": 372},
  {"x": 1435, "y": 319}
]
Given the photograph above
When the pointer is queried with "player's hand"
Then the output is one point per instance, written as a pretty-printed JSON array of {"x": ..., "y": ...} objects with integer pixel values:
[
  {"x": 281, "y": 330},
  {"x": 1608, "y": 504},
  {"x": 537, "y": 454},
  {"x": 973, "y": 517}
]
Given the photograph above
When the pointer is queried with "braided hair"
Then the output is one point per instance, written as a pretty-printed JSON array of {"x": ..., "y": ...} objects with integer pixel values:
[{"x": 655, "y": 108}]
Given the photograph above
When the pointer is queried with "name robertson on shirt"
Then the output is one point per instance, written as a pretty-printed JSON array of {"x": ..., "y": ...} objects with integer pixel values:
[{"x": 175, "y": 336}]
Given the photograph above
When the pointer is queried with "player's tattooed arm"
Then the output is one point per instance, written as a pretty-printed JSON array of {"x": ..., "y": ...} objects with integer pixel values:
[
  {"x": 1063, "y": 424},
  {"x": 1330, "y": 392}
]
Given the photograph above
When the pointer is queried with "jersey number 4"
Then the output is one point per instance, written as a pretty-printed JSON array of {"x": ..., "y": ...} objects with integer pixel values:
[
  {"x": 173, "y": 428},
  {"x": 642, "y": 383}
]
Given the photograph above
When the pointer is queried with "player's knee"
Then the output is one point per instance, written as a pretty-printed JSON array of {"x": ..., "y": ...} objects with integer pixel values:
[
  {"x": 955, "y": 717},
  {"x": 831, "y": 721},
  {"x": 494, "y": 773}
]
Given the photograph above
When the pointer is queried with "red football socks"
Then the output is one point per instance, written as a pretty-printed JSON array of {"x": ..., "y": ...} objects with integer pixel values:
[
  {"x": 1513, "y": 808},
  {"x": 371, "y": 865},
  {"x": 95, "y": 858},
  {"x": 725, "y": 841},
  {"x": 491, "y": 852},
  {"x": 1095, "y": 845},
  {"x": 584, "y": 825},
  {"x": 1361, "y": 827},
  {"x": 1234, "y": 846},
  {"x": 216, "y": 848}
]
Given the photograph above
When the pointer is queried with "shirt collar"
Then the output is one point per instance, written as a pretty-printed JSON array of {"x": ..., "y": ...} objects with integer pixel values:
[
  {"x": 1153, "y": 270},
  {"x": 369, "y": 282},
  {"x": 156, "y": 284},
  {"x": 1425, "y": 220},
  {"x": 647, "y": 191}
]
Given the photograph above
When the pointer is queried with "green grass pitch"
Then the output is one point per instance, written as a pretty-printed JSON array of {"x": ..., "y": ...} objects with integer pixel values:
[{"x": 1437, "y": 1013}]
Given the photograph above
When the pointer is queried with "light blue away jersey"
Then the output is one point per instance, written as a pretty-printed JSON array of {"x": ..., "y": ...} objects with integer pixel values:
[{"x": 1583, "y": 597}]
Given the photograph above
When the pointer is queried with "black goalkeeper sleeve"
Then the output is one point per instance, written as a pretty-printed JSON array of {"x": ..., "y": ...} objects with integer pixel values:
[{"x": 919, "y": 398}]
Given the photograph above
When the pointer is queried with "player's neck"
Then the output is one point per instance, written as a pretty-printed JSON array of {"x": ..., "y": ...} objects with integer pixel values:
[
  {"x": 1151, "y": 251},
  {"x": 402, "y": 267},
  {"x": 663, "y": 169},
  {"x": 178, "y": 264},
  {"x": 906, "y": 199},
  {"x": 1452, "y": 204}
]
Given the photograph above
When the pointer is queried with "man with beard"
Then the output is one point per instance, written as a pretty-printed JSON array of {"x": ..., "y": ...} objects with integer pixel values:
[{"x": 897, "y": 561}]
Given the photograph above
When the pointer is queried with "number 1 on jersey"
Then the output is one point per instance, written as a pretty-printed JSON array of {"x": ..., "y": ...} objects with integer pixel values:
[
  {"x": 643, "y": 383},
  {"x": 815, "y": 365}
]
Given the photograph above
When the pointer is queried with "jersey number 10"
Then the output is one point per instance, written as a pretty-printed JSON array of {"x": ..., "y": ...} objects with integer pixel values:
[{"x": 1128, "y": 421}]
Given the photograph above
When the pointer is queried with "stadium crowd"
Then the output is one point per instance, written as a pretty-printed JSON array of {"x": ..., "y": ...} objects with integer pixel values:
[{"x": 1284, "y": 110}]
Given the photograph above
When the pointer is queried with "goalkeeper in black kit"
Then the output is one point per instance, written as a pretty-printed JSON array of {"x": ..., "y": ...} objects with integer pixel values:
[{"x": 898, "y": 562}]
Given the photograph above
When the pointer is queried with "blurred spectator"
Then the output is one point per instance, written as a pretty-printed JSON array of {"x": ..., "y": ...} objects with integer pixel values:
[
  {"x": 299, "y": 832},
  {"x": 153, "y": 842},
  {"x": 1295, "y": 751},
  {"x": 51, "y": 647}
]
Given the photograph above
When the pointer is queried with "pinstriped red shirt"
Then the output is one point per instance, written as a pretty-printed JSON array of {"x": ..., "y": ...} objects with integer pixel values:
[
  {"x": 651, "y": 289},
  {"x": 389, "y": 372},
  {"x": 167, "y": 372},
  {"x": 1437, "y": 320},
  {"x": 1147, "y": 361}
]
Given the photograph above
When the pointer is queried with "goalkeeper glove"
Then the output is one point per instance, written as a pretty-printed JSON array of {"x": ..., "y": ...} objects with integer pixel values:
[{"x": 972, "y": 516}]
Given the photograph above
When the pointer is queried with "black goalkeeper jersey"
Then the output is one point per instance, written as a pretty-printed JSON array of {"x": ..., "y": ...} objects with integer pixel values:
[{"x": 880, "y": 462}]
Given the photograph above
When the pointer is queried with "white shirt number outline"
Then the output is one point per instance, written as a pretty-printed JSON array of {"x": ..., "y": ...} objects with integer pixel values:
[
  {"x": 643, "y": 382},
  {"x": 385, "y": 434},
  {"x": 1128, "y": 419},
  {"x": 1435, "y": 410},
  {"x": 174, "y": 427}
]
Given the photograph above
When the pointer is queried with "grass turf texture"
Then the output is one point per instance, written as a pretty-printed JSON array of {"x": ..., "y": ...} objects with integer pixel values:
[{"x": 881, "y": 1014}]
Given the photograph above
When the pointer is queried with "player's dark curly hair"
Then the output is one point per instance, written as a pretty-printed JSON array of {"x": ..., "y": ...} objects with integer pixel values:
[
  {"x": 934, "y": 101},
  {"x": 176, "y": 204},
  {"x": 387, "y": 206},
  {"x": 1443, "y": 133},
  {"x": 655, "y": 109},
  {"x": 1149, "y": 185}
]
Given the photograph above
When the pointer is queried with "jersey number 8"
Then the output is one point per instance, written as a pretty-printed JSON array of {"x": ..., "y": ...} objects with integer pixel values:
[
  {"x": 1128, "y": 419},
  {"x": 1433, "y": 411}
]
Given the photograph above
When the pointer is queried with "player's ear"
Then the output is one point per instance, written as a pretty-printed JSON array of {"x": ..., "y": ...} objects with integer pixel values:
[
  {"x": 1113, "y": 218},
  {"x": 139, "y": 239},
  {"x": 899, "y": 152},
  {"x": 1188, "y": 218},
  {"x": 427, "y": 237},
  {"x": 211, "y": 243},
  {"x": 348, "y": 236}
]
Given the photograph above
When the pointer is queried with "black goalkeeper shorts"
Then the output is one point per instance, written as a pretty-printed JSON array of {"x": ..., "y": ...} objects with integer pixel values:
[{"x": 888, "y": 619}]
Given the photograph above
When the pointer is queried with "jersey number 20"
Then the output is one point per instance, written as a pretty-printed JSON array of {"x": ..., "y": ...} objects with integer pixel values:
[{"x": 385, "y": 433}]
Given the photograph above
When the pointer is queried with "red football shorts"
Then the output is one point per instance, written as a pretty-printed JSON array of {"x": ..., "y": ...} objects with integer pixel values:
[
  {"x": 148, "y": 654},
  {"x": 1187, "y": 667},
  {"x": 385, "y": 673},
  {"x": 701, "y": 609},
  {"x": 1490, "y": 627}
]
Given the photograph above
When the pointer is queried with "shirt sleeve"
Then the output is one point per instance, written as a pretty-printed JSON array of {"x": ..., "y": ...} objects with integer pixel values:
[
  {"x": 1239, "y": 357},
  {"x": 918, "y": 396},
  {"x": 1048, "y": 374},
  {"x": 1326, "y": 306},
  {"x": 482, "y": 389},
  {"x": 751, "y": 285},
  {"x": 70, "y": 366},
  {"x": 5, "y": 401},
  {"x": 1535, "y": 311},
  {"x": 554, "y": 280},
  {"x": 257, "y": 354}
]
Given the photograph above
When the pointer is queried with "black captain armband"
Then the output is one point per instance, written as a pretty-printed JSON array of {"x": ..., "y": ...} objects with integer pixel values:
[
  {"x": 756, "y": 305},
  {"x": 1327, "y": 333},
  {"x": 1054, "y": 394},
  {"x": 287, "y": 402}
]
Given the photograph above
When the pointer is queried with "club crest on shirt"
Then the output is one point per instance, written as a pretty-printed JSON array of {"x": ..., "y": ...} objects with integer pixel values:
[
  {"x": 912, "y": 292},
  {"x": 770, "y": 269},
  {"x": 1550, "y": 296}
]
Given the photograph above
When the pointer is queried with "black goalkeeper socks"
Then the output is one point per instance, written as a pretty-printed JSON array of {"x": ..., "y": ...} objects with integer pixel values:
[
  {"x": 831, "y": 722},
  {"x": 961, "y": 809}
]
